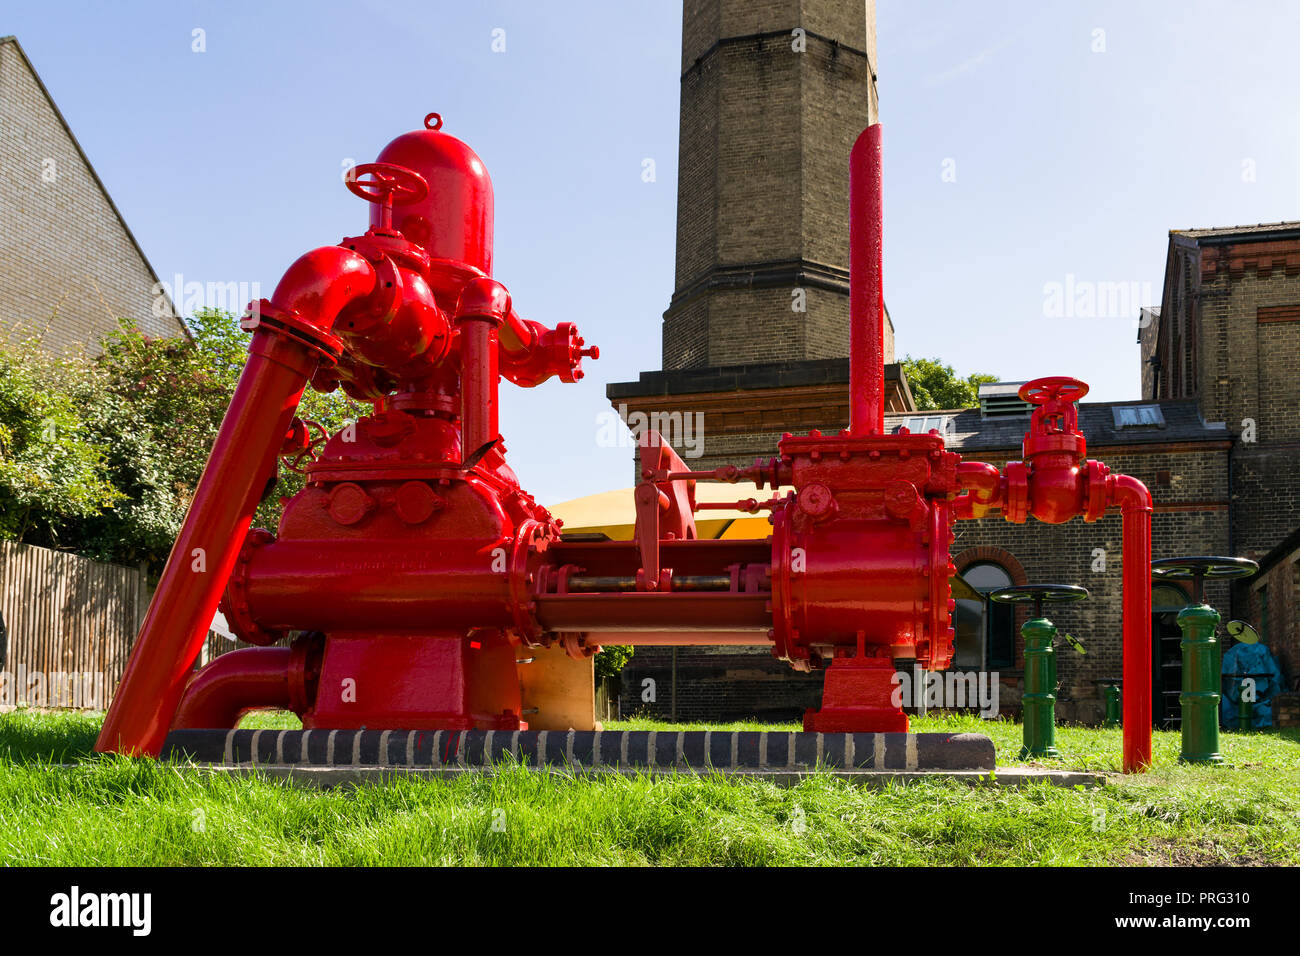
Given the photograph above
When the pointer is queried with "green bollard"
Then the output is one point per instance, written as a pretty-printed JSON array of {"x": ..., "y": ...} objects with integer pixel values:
[
  {"x": 1114, "y": 706},
  {"x": 1039, "y": 700},
  {"x": 1245, "y": 712},
  {"x": 1201, "y": 682}
]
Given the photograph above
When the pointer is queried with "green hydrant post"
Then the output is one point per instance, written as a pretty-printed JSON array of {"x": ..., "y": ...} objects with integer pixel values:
[
  {"x": 1039, "y": 700},
  {"x": 1114, "y": 706},
  {"x": 1245, "y": 709},
  {"x": 1201, "y": 681}
]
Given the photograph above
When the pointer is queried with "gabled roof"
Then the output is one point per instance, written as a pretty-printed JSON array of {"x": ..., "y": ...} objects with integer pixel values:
[{"x": 13, "y": 41}]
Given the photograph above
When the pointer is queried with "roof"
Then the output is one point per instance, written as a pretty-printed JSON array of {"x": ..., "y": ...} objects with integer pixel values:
[
  {"x": 971, "y": 431},
  {"x": 1259, "y": 230},
  {"x": 13, "y": 40},
  {"x": 1284, "y": 550},
  {"x": 730, "y": 378}
]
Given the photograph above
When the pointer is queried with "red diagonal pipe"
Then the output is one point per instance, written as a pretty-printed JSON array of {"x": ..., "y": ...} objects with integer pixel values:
[
  {"x": 312, "y": 293},
  {"x": 866, "y": 296}
]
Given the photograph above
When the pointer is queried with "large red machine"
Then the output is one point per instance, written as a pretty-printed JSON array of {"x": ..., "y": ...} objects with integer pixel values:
[{"x": 417, "y": 566}]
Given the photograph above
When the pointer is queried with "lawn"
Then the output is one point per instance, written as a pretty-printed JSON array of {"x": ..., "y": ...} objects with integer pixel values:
[{"x": 116, "y": 811}]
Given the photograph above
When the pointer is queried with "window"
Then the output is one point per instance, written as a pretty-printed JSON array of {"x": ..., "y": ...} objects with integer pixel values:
[
  {"x": 922, "y": 424},
  {"x": 985, "y": 631},
  {"x": 1138, "y": 416}
]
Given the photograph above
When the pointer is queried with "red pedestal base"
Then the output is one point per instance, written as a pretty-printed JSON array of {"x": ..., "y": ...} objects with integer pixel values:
[
  {"x": 857, "y": 698},
  {"x": 417, "y": 682}
]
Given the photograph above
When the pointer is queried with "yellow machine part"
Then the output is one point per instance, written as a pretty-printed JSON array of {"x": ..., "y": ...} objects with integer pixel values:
[{"x": 558, "y": 691}]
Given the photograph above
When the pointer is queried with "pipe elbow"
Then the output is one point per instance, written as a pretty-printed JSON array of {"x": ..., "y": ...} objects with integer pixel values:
[
  {"x": 1129, "y": 493},
  {"x": 982, "y": 486},
  {"x": 483, "y": 298},
  {"x": 321, "y": 284},
  {"x": 233, "y": 684}
]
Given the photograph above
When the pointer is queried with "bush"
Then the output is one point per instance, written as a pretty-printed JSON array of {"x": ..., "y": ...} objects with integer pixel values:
[
  {"x": 103, "y": 456},
  {"x": 612, "y": 659},
  {"x": 52, "y": 463}
]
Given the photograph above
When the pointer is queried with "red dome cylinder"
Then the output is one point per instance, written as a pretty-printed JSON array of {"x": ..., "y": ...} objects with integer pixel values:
[{"x": 455, "y": 220}]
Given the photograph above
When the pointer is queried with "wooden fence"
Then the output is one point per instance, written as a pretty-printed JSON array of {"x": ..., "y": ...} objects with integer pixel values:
[{"x": 70, "y": 620}]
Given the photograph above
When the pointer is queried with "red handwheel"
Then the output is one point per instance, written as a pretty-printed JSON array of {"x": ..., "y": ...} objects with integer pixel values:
[
  {"x": 1053, "y": 388},
  {"x": 389, "y": 186}
]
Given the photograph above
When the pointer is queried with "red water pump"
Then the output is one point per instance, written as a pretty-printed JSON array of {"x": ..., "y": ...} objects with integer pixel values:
[{"x": 416, "y": 567}]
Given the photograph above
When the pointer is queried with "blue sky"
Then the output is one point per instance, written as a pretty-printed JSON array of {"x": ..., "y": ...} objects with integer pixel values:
[{"x": 1027, "y": 144}]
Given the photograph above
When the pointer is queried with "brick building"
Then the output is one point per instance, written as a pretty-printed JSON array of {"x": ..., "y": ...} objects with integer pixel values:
[
  {"x": 69, "y": 266},
  {"x": 1215, "y": 434},
  {"x": 1228, "y": 336}
]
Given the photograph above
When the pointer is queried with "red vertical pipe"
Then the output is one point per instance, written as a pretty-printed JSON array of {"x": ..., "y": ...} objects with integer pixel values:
[
  {"x": 176, "y": 623},
  {"x": 1135, "y": 503},
  {"x": 866, "y": 296},
  {"x": 480, "y": 377},
  {"x": 481, "y": 309}
]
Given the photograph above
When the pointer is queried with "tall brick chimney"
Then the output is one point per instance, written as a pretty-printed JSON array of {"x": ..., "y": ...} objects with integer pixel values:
[
  {"x": 756, "y": 335},
  {"x": 774, "y": 93}
]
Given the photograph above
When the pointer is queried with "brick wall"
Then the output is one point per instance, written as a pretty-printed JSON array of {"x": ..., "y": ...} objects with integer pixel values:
[
  {"x": 1190, "y": 516},
  {"x": 69, "y": 268},
  {"x": 717, "y": 684},
  {"x": 1246, "y": 344},
  {"x": 1271, "y": 602}
]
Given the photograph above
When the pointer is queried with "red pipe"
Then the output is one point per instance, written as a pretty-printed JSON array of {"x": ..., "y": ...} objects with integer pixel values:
[
  {"x": 233, "y": 684},
  {"x": 982, "y": 484},
  {"x": 681, "y": 638},
  {"x": 480, "y": 312},
  {"x": 312, "y": 292},
  {"x": 1135, "y": 503},
  {"x": 866, "y": 297},
  {"x": 322, "y": 283},
  {"x": 518, "y": 336}
]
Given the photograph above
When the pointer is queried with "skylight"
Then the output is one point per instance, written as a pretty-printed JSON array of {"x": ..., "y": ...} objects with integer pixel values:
[
  {"x": 1138, "y": 416},
  {"x": 922, "y": 424}
]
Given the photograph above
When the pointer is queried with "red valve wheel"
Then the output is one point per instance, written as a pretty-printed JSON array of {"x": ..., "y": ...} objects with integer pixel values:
[
  {"x": 1053, "y": 388},
  {"x": 391, "y": 184}
]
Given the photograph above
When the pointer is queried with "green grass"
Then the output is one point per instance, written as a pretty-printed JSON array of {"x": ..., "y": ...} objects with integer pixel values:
[{"x": 112, "y": 810}]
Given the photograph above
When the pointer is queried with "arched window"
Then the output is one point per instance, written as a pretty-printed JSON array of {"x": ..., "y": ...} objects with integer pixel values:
[{"x": 985, "y": 631}]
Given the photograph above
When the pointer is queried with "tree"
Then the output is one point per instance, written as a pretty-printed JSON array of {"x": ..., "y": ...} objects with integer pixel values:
[
  {"x": 51, "y": 463},
  {"x": 611, "y": 659},
  {"x": 131, "y": 435},
  {"x": 935, "y": 385}
]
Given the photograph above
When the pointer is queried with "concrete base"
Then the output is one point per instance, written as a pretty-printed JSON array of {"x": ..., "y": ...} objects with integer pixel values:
[
  {"x": 327, "y": 777},
  {"x": 622, "y": 750}
]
